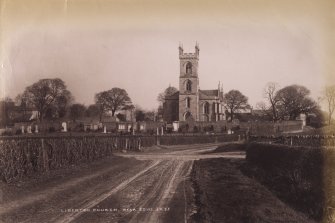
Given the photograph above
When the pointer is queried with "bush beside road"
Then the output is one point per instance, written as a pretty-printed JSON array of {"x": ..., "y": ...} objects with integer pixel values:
[
  {"x": 303, "y": 177},
  {"x": 224, "y": 194}
]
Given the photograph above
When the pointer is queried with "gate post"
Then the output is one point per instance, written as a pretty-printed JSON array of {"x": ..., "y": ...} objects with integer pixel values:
[
  {"x": 139, "y": 144},
  {"x": 45, "y": 157}
]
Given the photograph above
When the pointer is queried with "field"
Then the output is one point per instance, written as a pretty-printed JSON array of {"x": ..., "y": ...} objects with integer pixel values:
[{"x": 181, "y": 183}]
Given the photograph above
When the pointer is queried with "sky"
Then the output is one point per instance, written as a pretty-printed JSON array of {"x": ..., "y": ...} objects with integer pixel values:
[{"x": 97, "y": 45}]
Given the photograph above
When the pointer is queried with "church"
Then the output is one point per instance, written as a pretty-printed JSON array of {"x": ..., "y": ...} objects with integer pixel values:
[{"x": 191, "y": 103}]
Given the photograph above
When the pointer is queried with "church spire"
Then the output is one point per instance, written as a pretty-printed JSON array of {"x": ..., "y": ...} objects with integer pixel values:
[
  {"x": 181, "y": 49},
  {"x": 197, "y": 49}
]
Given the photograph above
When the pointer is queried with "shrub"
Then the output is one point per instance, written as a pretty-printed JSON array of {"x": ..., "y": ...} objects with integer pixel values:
[
  {"x": 294, "y": 174},
  {"x": 235, "y": 128},
  {"x": 26, "y": 156},
  {"x": 7, "y": 133}
]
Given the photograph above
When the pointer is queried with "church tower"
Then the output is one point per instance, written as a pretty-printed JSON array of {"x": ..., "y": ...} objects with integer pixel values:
[{"x": 189, "y": 85}]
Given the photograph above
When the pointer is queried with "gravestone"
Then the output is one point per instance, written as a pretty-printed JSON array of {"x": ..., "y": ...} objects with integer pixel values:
[
  {"x": 105, "y": 130},
  {"x": 22, "y": 129},
  {"x": 29, "y": 129},
  {"x": 36, "y": 128},
  {"x": 64, "y": 127}
]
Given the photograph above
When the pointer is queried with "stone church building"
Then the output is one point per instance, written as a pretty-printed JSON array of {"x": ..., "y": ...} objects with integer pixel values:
[{"x": 191, "y": 103}]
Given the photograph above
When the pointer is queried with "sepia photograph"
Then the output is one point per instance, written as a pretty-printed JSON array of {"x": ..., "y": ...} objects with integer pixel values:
[{"x": 167, "y": 111}]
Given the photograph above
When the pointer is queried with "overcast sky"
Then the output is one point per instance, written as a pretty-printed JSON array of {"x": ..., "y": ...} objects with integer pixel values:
[{"x": 98, "y": 45}]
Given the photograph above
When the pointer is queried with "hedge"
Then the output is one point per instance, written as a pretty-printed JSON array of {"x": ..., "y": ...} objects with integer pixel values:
[
  {"x": 303, "y": 177},
  {"x": 20, "y": 156}
]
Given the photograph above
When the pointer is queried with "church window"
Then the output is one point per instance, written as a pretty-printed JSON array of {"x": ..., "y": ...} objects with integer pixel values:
[
  {"x": 188, "y": 85},
  {"x": 187, "y": 115},
  {"x": 189, "y": 68},
  {"x": 206, "y": 108},
  {"x": 188, "y": 102}
]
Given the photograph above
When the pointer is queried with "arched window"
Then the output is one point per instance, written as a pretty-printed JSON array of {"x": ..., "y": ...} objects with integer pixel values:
[
  {"x": 188, "y": 85},
  {"x": 206, "y": 108},
  {"x": 188, "y": 102},
  {"x": 189, "y": 68},
  {"x": 187, "y": 115}
]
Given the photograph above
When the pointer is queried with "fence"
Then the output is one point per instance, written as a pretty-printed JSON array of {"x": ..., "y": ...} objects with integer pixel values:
[
  {"x": 271, "y": 128},
  {"x": 23, "y": 156},
  {"x": 297, "y": 140},
  {"x": 197, "y": 139}
]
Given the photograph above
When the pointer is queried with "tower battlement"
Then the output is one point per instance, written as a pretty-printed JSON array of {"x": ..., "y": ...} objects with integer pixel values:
[
  {"x": 189, "y": 56},
  {"x": 194, "y": 55}
]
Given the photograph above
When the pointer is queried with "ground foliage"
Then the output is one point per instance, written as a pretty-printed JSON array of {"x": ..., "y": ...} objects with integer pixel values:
[
  {"x": 302, "y": 177},
  {"x": 21, "y": 156}
]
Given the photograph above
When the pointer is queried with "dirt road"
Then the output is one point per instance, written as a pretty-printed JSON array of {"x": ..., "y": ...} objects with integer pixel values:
[{"x": 140, "y": 188}]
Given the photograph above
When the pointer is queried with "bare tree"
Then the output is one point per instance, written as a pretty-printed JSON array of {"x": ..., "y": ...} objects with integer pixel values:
[
  {"x": 235, "y": 100},
  {"x": 77, "y": 111},
  {"x": 167, "y": 92},
  {"x": 47, "y": 93},
  {"x": 329, "y": 95},
  {"x": 112, "y": 100},
  {"x": 270, "y": 94},
  {"x": 102, "y": 100},
  {"x": 294, "y": 100},
  {"x": 266, "y": 113},
  {"x": 22, "y": 101},
  {"x": 6, "y": 107}
]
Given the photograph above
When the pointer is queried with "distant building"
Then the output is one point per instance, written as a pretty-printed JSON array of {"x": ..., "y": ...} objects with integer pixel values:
[{"x": 191, "y": 103}]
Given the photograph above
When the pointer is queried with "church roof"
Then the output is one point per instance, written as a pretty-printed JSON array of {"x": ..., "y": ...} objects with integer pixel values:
[
  {"x": 203, "y": 95},
  {"x": 210, "y": 92}
]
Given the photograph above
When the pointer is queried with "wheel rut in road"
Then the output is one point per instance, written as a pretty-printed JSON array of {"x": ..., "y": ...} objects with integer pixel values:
[
  {"x": 135, "y": 193},
  {"x": 94, "y": 202}
]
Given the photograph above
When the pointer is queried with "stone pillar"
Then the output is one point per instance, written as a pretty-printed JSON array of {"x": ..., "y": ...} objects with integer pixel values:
[
  {"x": 36, "y": 128},
  {"x": 162, "y": 132},
  {"x": 22, "y": 129},
  {"x": 105, "y": 130},
  {"x": 29, "y": 129}
]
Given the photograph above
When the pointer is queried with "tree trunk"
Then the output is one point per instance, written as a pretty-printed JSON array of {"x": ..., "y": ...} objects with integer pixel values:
[
  {"x": 274, "y": 113},
  {"x": 100, "y": 116},
  {"x": 41, "y": 116},
  {"x": 231, "y": 115}
]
